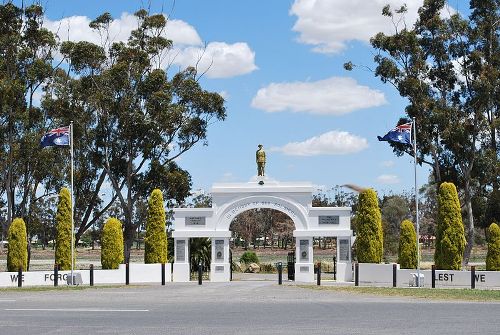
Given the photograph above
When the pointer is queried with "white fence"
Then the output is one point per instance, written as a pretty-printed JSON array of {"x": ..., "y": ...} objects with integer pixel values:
[
  {"x": 138, "y": 273},
  {"x": 383, "y": 275}
]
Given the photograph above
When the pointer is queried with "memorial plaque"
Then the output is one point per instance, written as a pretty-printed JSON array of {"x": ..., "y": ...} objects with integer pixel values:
[
  {"x": 328, "y": 219},
  {"x": 219, "y": 250},
  {"x": 304, "y": 250},
  {"x": 219, "y": 268},
  {"x": 180, "y": 251},
  {"x": 304, "y": 269},
  {"x": 344, "y": 250},
  {"x": 195, "y": 220}
]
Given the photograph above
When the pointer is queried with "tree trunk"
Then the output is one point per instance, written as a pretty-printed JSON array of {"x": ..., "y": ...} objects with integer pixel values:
[{"x": 469, "y": 226}]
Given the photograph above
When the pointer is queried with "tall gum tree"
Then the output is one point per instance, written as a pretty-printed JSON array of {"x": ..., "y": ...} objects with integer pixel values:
[{"x": 143, "y": 119}]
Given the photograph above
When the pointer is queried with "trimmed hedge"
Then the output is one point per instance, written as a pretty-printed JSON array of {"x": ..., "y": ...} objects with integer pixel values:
[
  {"x": 493, "y": 255},
  {"x": 63, "y": 227},
  {"x": 407, "y": 251},
  {"x": 155, "y": 241},
  {"x": 112, "y": 244},
  {"x": 249, "y": 257},
  {"x": 370, "y": 239},
  {"x": 17, "y": 254},
  {"x": 450, "y": 238}
]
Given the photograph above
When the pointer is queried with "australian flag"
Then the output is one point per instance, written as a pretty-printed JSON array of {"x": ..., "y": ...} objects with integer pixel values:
[
  {"x": 56, "y": 138},
  {"x": 400, "y": 134}
]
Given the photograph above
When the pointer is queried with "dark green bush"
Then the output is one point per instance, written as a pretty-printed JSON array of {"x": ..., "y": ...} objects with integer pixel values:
[
  {"x": 369, "y": 239},
  {"x": 493, "y": 255},
  {"x": 63, "y": 227},
  {"x": 112, "y": 244},
  {"x": 407, "y": 251},
  {"x": 155, "y": 241},
  {"x": 17, "y": 254},
  {"x": 450, "y": 238},
  {"x": 249, "y": 257}
]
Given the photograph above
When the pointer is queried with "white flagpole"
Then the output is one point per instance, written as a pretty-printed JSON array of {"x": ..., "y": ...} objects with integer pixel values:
[
  {"x": 414, "y": 128},
  {"x": 72, "y": 206}
]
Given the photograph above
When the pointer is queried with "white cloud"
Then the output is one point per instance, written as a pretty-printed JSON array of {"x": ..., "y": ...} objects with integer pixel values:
[
  {"x": 388, "y": 179},
  {"x": 330, "y": 143},
  {"x": 220, "y": 60},
  {"x": 224, "y": 94},
  {"x": 330, "y": 24},
  {"x": 387, "y": 164},
  {"x": 335, "y": 95}
]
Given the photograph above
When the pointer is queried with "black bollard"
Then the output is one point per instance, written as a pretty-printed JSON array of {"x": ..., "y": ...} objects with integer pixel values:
[
  {"x": 200, "y": 273},
  {"x": 473, "y": 277},
  {"x": 127, "y": 274},
  {"x": 91, "y": 274},
  {"x": 318, "y": 277},
  {"x": 280, "y": 273},
  {"x": 433, "y": 276},
  {"x": 394, "y": 275},
  {"x": 356, "y": 274},
  {"x": 20, "y": 277},
  {"x": 334, "y": 268},
  {"x": 163, "y": 273},
  {"x": 56, "y": 275}
]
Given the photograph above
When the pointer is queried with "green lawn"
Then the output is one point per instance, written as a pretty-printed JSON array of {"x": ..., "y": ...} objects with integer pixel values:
[{"x": 420, "y": 293}]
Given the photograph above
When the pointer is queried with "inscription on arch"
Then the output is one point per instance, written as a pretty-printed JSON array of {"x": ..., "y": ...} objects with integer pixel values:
[{"x": 260, "y": 204}]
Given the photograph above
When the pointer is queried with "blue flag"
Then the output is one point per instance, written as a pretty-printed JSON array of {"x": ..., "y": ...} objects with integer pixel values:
[
  {"x": 400, "y": 134},
  {"x": 56, "y": 138}
]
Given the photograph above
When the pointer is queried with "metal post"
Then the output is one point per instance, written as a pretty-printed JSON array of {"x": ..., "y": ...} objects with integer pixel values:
[
  {"x": 433, "y": 278},
  {"x": 414, "y": 128},
  {"x": 127, "y": 274},
  {"x": 394, "y": 275},
  {"x": 318, "y": 278},
  {"x": 334, "y": 268},
  {"x": 356, "y": 274},
  {"x": 91, "y": 274},
  {"x": 280, "y": 273},
  {"x": 56, "y": 275},
  {"x": 473, "y": 277},
  {"x": 72, "y": 207},
  {"x": 163, "y": 274},
  {"x": 200, "y": 273},
  {"x": 20, "y": 277}
]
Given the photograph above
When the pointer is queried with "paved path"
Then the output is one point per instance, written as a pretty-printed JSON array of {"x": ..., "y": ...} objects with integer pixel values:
[{"x": 235, "y": 308}]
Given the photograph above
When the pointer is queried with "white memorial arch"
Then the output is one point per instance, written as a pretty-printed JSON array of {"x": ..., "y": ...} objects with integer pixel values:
[{"x": 231, "y": 199}]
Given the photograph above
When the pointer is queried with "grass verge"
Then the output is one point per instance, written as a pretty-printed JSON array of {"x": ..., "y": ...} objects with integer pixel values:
[
  {"x": 60, "y": 288},
  {"x": 420, "y": 293}
]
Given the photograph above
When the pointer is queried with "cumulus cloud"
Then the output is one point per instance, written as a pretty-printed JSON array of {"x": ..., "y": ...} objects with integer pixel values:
[
  {"x": 217, "y": 59},
  {"x": 332, "y": 96},
  {"x": 330, "y": 143},
  {"x": 388, "y": 179},
  {"x": 330, "y": 24},
  {"x": 387, "y": 164}
]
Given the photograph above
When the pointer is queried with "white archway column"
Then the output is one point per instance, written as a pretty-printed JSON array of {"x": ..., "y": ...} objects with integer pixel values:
[
  {"x": 304, "y": 267},
  {"x": 220, "y": 267},
  {"x": 182, "y": 270}
]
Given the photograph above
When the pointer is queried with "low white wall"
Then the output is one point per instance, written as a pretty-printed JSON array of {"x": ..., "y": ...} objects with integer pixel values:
[
  {"x": 381, "y": 274},
  {"x": 139, "y": 273}
]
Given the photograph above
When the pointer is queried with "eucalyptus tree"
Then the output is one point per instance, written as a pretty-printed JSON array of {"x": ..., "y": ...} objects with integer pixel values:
[
  {"x": 141, "y": 118},
  {"x": 443, "y": 65}
]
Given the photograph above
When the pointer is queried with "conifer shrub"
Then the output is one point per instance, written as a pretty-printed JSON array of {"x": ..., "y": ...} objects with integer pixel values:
[
  {"x": 155, "y": 241},
  {"x": 407, "y": 251},
  {"x": 369, "y": 234},
  {"x": 17, "y": 254},
  {"x": 450, "y": 238},
  {"x": 249, "y": 257},
  {"x": 493, "y": 255},
  {"x": 63, "y": 230},
  {"x": 112, "y": 244}
]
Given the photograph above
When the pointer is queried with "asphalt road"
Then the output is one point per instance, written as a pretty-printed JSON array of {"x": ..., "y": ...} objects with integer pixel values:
[{"x": 235, "y": 308}]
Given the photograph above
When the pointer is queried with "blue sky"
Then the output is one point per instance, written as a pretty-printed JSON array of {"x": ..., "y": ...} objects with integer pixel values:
[{"x": 279, "y": 66}]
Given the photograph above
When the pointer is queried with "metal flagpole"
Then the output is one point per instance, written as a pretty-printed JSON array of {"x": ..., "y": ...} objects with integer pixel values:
[
  {"x": 72, "y": 206},
  {"x": 414, "y": 128}
]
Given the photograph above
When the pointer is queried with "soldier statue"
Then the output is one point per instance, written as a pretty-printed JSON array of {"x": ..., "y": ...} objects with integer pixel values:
[{"x": 260, "y": 157}]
